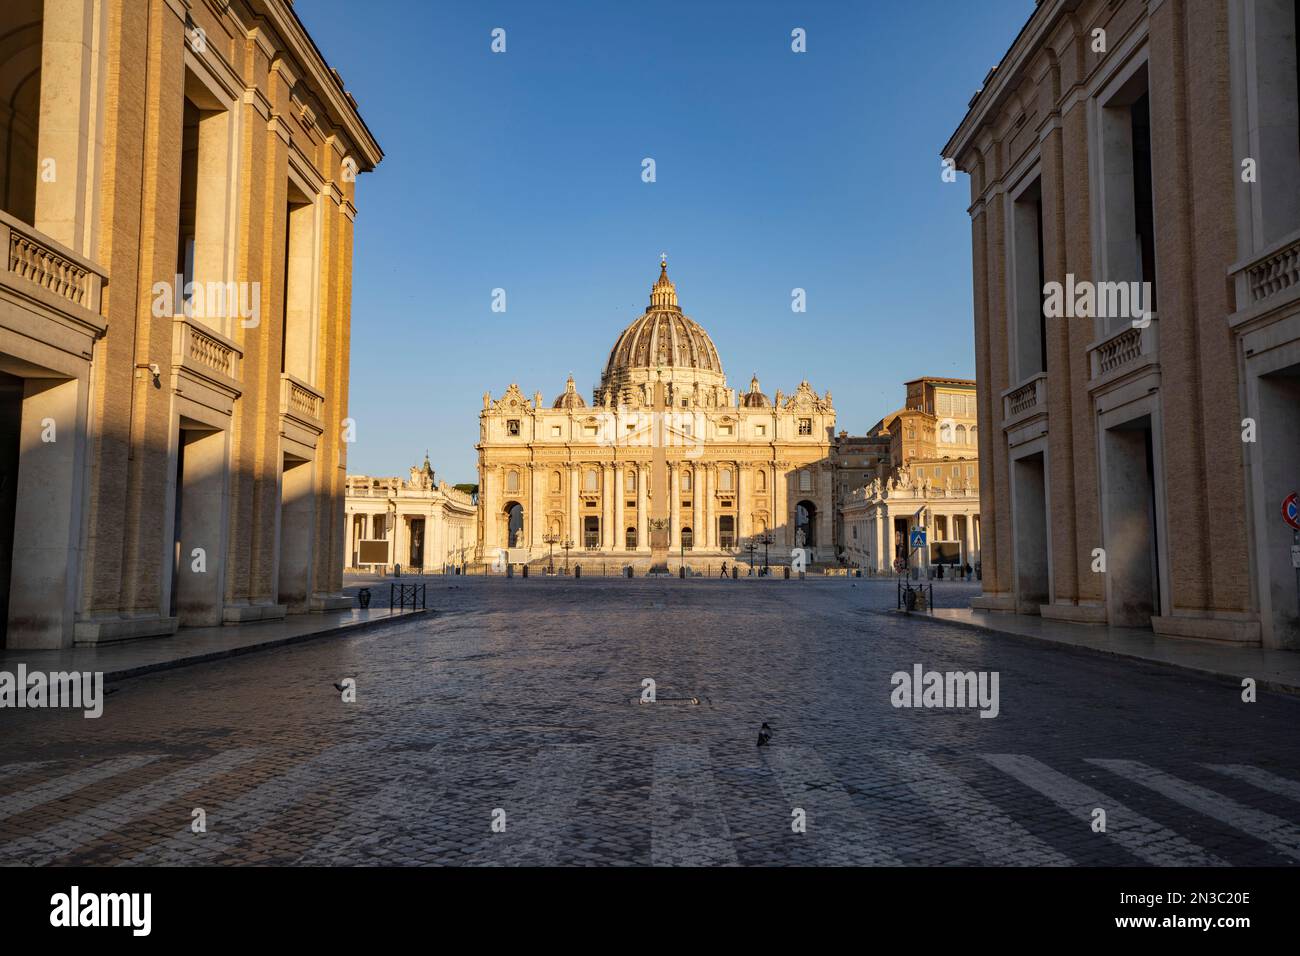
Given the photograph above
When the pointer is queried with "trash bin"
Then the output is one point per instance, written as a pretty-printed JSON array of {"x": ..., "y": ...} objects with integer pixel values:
[
  {"x": 909, "y": 599},
  {"x": 735, "y": 573},
  {"x": 397, "y": 570},
  {"x": 363, "y": 597},
  {"x": 787, "y": 572},
  {"x": 681, "y": 572},
  {"x": 510, "y": 570}
]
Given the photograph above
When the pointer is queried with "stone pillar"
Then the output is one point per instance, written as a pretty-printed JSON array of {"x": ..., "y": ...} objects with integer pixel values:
[
  {"x": 744, "y": 499},
  {"x": 708, "y": 481},
  {"x": 642, "y": 526},
  {"x": 620, "y": 529},
  {"x": 536, "y": 507},
  {"x": 47, "y": 519},
  {"x": 675, "y": 506},
  {"x": 782, "y": 522},
  {"x": 575, "y": 511},
  {"x": 69, "y": 60},
  {"x": 607, "y": 507}
]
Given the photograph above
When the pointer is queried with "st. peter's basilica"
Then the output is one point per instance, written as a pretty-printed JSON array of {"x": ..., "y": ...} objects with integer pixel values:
[{"x": 667, "y": 460}]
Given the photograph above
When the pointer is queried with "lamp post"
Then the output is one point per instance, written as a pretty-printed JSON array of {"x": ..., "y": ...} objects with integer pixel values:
[
  {"x": 766, "y": 538},
  {"x": 567, "y": 545},
  {"x": 550, "y": 538},
  {"x": 751, "y": 548}
]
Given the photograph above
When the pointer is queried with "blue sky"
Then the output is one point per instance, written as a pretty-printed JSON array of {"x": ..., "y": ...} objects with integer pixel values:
[{"x": 775, "y": 170}]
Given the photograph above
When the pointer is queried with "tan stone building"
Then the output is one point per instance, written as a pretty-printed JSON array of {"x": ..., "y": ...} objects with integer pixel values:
[
  {"x": 419, "y": 522},
  {"x": 664, "y": 431},
  {"x": 928, "y": 477},
  {"x": 1135, "y": 458},
  {"x": 178, "y": 182}
]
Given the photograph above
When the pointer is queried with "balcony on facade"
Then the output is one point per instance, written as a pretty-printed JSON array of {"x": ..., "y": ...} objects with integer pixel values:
[
  {"x": 49, "y": 279},
  {"x": 1125, "y": 354},
  {"x": 1268, "y": 280}
]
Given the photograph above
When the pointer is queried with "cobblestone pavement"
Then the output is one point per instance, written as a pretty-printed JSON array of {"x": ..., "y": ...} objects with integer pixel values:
[{"x": 519, "y": 699}]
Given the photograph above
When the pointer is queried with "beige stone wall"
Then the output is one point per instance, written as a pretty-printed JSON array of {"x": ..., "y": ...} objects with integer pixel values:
[
  {"x": 1043, "y": 113},
  {"x": 276, "y": 105}
]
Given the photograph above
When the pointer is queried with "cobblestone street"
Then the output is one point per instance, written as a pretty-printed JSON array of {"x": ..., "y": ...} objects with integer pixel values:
[{"x": 521, "y": 696}]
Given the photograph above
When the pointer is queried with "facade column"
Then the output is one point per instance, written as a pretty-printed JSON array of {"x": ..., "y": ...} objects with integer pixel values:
[
  {"x": 705, "y": 536},
  {"x": 536, "y": 506},
  {"x": 885, "y": 539},
  {"x": 781, "y": 511},
  {"x": 608, "y": 510},
  {"x": 574, "y": 518},
  {"x": 620, "y": 531},
  {"x": 744, "y": 495},
  {"x": 675, "y": 505},
  {"x": 642, "y": 525}
]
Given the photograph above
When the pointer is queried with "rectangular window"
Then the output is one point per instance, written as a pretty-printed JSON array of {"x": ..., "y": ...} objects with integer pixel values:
[
  {"x": 805, "y": 426},
  {"x": 1128, "y": 215},
  {"x": 1030, "y": 324},
  {"x": 556, "y": 431},
  {"x": 724, "y": 429},
  {"x": 760, "y": 430},
  {"x": 589, "y": 431}
]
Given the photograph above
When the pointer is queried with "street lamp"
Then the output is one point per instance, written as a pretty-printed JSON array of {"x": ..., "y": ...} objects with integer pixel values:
[
  {"x": 766, "y": 538},
  {"x": 550, "y": 538},
  {"x": 567, "y": 545}
]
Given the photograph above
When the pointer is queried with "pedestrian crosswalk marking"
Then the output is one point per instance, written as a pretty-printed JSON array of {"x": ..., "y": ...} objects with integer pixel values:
[
  {"x": 1280, "y": 834},
  {"x": 687, "y": 825},
  {"x": 1144, "y": 838},
  {"x": 540, "y": 810},
  {"x": 57, "y": 841},
  {"x": 839, "y": 830},
  {"x": 18, "y": 769},
  {"x": 1282, "y": 786},
  {"x": 997, "y": 838},
  {"x": 43, "y": 793},
  {"x": 228, "y": 825}
]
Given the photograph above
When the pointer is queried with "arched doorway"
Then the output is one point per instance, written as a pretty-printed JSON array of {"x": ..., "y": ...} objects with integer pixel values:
[
  {"x": 514, "y": 512},
  {"x": 805, "y": 524}
]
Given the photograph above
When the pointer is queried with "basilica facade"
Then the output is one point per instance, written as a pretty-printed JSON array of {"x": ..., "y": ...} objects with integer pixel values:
[{"x": 666, "y": 461}]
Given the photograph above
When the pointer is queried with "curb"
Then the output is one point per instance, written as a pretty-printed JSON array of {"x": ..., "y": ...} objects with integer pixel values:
[
  {"x": 224, "y": 653},
  {"x": 1221, "y": 676}
]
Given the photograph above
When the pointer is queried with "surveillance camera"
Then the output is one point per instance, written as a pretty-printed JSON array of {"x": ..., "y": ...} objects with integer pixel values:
[{"x": 156, "y": 372}]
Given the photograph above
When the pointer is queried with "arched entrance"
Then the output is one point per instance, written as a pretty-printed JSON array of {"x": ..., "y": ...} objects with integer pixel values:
[
  {"x": 805, "y": 525},
  {"x": 514, "y": 513}
]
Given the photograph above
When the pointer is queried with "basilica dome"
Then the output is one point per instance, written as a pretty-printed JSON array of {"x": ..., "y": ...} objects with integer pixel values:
[{"x": 663, "y": 337}]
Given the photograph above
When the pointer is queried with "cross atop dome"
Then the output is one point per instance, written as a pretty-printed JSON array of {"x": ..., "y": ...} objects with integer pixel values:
[{"x": 663, "y": 294}]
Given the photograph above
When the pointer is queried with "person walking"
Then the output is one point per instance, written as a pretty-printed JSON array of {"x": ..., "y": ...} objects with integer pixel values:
[{"x": 723, "y": 572}]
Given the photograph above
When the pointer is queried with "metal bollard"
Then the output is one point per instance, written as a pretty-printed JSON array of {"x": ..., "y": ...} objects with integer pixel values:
[{"x": 577, "y": 570}]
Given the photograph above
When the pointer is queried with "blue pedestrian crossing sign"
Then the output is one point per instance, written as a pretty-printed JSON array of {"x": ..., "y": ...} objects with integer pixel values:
[{"x": 918, "y": 538}]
